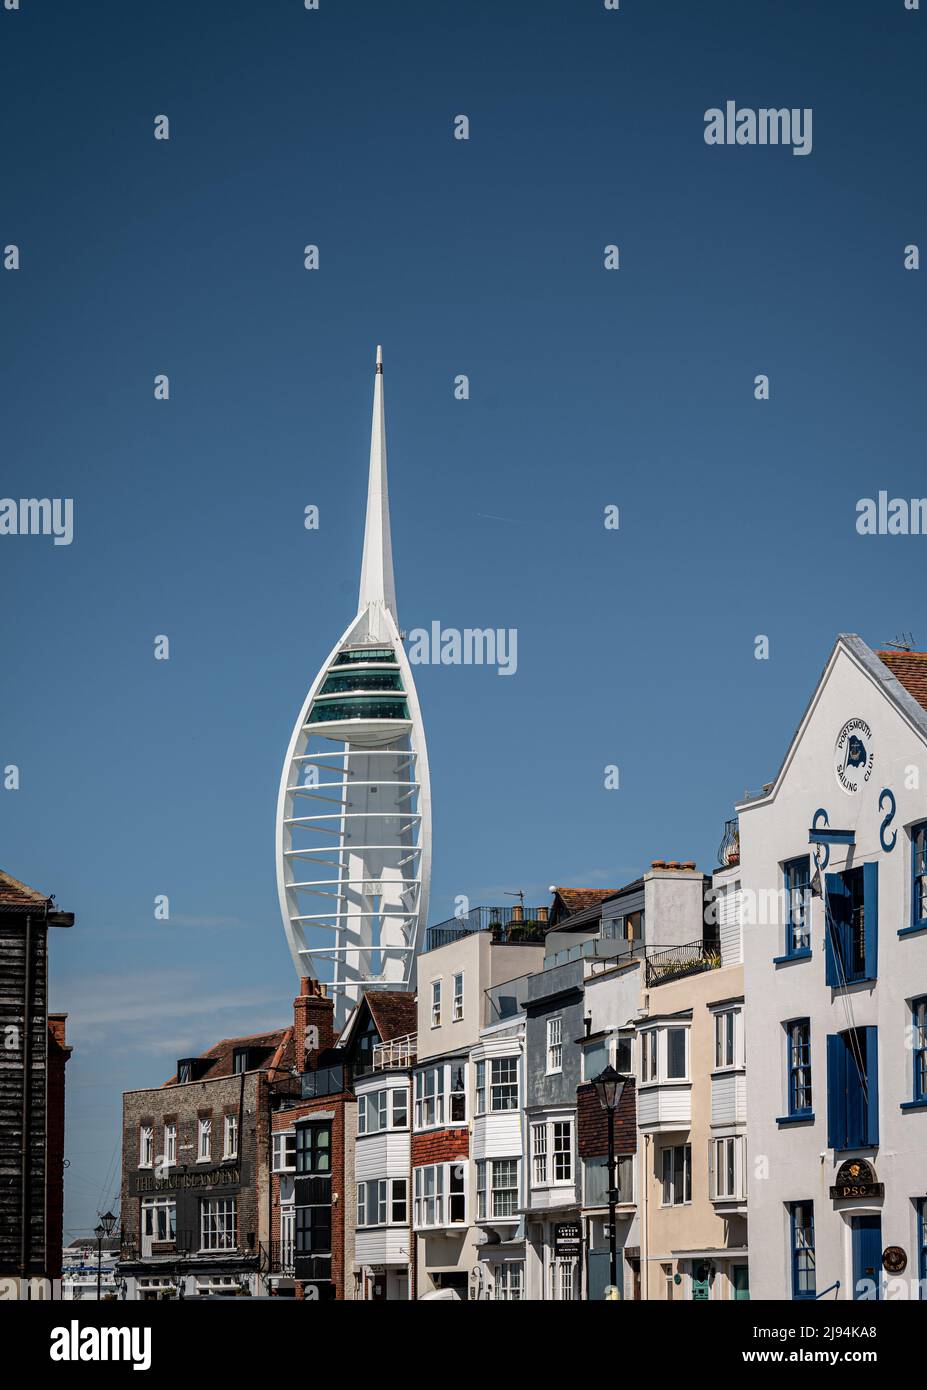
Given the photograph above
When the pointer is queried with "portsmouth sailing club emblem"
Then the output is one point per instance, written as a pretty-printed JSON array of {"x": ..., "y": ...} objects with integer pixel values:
[{"x": 853, "y": 755}]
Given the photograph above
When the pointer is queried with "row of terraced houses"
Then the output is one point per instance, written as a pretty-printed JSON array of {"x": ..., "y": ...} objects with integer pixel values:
[{"x": 768, "y": 1021}]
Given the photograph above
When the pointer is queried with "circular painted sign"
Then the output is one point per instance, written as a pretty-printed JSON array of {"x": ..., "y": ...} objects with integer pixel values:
[
  {"x": 853, "y": 756},
  {"x": 894, "y": 1260}
]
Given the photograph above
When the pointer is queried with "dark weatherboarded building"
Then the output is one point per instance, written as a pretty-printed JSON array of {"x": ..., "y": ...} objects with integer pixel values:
[{"x": 33, "y": 1054}]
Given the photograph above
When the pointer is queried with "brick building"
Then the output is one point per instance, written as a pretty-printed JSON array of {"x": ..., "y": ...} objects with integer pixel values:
[
  {"x": 313, "y": 1128},
  {"x": 196, "y": 1206},
  {"x": 33, "y": 1057}
]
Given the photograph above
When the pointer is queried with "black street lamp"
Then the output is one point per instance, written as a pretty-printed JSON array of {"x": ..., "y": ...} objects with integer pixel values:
[
  {"x": 609, "y": 1086},
  {"x": 106, "y": 1227}
]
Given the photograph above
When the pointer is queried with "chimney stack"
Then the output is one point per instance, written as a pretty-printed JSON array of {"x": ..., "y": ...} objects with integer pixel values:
[{"x": 313, "y": 1022}]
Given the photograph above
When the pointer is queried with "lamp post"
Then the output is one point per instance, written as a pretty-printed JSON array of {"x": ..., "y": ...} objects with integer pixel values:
[
  {"x": 105, "y": 1228},
  {"x": 609, "y": 1086}
]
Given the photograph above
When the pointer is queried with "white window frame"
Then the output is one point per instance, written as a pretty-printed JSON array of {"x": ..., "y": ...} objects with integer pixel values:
[
  {"x": 284, "y": 1159},
  {"x": 509, "y": 1281},
  {"x": 145, "y": 1146},
  {"x": 457, "y": 1007},
  {"x": 650, "y": 1053},
  {"x": 720, "y": 1145},
  {"x": 155, "y": 1208},
  {"x": 539, "y": 1153},
  {"x": 443, "y": 1175},
  {"x": 548, "y": 1152},
  {"x": 170, "y": 1144},
  {"x": 655, "y": 1055},
  {"x": 496, "y": 1086},
  {"x": 440, "y": 1115},
  {"x": 686, "y": 1176},
  {"x": 686, "y": 1072},
  {"x": 388, "y": 1191},
  {"x": 488, "y": 1187},
  {"x": 721, "y": 1017},
  {"x": 555, "y": 1045},
  {"x": 397, "y": 1094},
  {"x": 287, "y": 1236},
  {"x": 230, "y": 1136},
  {"x": 436, "y": 1003},
  {"x": 382, "y": 1105},
  {"x": 204, "y": 1139},
  {"x": 219, "y": 1216}
]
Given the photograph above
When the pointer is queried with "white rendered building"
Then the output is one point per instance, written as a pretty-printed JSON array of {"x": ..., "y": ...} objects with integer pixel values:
[
  {"x": 833, "y": 861},
  {"x": 353, "y": 836}
]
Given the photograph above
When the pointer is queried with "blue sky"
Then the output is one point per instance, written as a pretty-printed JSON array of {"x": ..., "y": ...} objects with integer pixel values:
[{"x": 588, "y": 388}]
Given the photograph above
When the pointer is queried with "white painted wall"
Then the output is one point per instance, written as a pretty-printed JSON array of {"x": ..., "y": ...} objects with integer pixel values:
[{"x": 794, "y": 1163}]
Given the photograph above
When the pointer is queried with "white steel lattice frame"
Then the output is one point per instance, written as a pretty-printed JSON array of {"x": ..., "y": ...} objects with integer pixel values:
[{"x": 359, "y": 925}]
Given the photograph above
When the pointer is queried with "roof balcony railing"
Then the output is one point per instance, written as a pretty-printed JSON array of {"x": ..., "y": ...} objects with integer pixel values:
[
  {"x": 674, "y": 962},
  {"x": 397, "y": 1053},
  {"x": 508, "y": 926}
]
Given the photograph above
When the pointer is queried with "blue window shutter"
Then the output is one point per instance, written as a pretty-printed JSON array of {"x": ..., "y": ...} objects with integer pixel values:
[
  {"x": 834, "y": 889},
  {"x": 872, "y": 1083},
  {"x": 836, "y": 1092},
  {"x": 871, "y": 913}
]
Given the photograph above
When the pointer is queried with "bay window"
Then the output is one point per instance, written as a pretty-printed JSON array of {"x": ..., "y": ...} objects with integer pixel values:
[
  {"x": 503, "y": 1084},
  {"x": 552, "y": 1152},
  {"x": 496, "y": 1188},
  {"x": 440, "y": 1095},
  {"x": 382, "y": 1202},
  {"x": 439, "y": 1195}
]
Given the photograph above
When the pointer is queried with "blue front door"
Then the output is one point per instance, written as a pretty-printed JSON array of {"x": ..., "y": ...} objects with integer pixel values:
[{"x": 867, "y": 1257}]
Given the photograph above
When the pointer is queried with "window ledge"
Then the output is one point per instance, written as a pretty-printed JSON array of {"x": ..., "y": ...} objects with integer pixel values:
[
  {"x": 913, "y": 1105},
  {"x": 792, "y": 956},
  {"x": 912, "y": 931},
  {"x": 804, "y": 1117}
]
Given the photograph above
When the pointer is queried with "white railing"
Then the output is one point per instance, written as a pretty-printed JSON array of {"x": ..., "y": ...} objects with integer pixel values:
[{"x": 399, "y": 1052}]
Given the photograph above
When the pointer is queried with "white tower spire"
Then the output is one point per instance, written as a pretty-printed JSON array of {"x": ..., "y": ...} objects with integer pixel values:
[
  {"x": 377, "y": 584},
  {"x": 354, "y": 808}
]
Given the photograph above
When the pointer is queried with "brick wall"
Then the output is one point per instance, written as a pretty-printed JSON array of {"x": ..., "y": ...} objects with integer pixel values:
[
  {"x": 439, "y": 1146},
  {"x": 344, "y": 1128},
  {"x": 184, "y": 1104},
  {"x": 312, "y": 1007},
  {"x": 58, "y": 1054},
  {"x": 592, "y": 1122}
]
